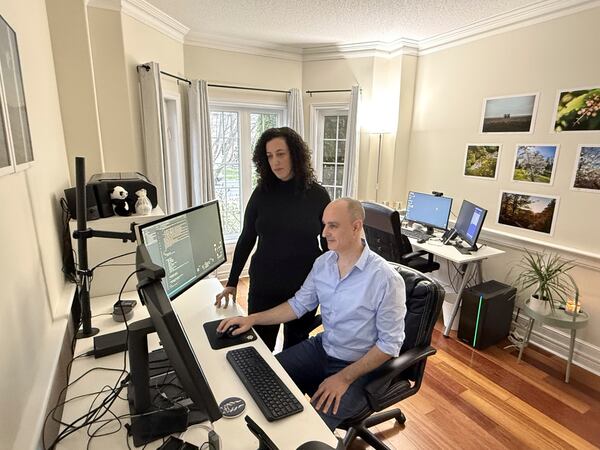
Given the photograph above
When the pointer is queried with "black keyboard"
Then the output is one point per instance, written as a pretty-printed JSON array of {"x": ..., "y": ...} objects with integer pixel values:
[
  {"x": 270, "y": 393},
  {"x": 416, "y": 234}
]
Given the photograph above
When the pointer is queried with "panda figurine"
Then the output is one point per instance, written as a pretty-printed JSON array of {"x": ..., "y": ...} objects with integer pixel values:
[{"x": 122, "y": 205}]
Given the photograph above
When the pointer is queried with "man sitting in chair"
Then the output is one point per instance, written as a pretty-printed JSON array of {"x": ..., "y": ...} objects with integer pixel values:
[{"x": 363, "y": 304}]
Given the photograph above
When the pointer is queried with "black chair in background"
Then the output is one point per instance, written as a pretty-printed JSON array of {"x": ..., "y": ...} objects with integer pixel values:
[
  {"x": 384, "y": 236},
  {"x": 400, "y": 377}
]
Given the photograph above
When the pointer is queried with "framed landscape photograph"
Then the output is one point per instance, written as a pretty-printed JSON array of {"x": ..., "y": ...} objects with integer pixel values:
[
  {"x": 533, "y": 212},
  {"x": 535, "y": 163},
  {"x": 577, "y": 110},
  {"x": 586, "y": 175},
  {"x": 512, "y": 114},
  {"x": 481, "y": 161}
]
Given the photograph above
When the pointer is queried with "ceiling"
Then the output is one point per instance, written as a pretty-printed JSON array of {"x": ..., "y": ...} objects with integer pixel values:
[{"x": 304, "y": 23}]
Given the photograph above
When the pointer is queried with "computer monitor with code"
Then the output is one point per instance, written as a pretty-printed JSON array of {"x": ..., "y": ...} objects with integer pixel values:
[
  {"x": 429, "y": 210},
  {"x": 469, "y": 223},
  {"x": 188, "y": 245}
]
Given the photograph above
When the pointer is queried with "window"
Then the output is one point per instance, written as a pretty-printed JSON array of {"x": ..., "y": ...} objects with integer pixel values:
[
  {"x": 15, "y": 142},
  {"x": 329, "y": 129},
  {"x": 235, "y": 131}
]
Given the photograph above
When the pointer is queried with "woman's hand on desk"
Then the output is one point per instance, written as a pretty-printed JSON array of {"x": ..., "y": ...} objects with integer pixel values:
[{"x": 224, "y": 295}]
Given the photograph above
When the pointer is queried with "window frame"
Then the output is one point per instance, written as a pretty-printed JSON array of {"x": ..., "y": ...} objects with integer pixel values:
[
  {"x": 244, "y": 110},
  {"x": 317, "y": 119}
]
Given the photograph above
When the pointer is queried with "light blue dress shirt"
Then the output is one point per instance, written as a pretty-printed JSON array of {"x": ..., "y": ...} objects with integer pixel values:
[{"x": 363, "y": 309}]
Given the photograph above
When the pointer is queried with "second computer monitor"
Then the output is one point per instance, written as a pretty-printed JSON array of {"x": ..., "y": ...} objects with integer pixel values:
[
  {"x": 469, "y": 222},
  {"x": 429, "y": 210},
  {"x": 188, "y": 245}
]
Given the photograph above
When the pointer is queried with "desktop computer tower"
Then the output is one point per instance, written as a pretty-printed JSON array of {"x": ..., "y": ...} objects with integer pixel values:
[{"x": 486, "y": 313}]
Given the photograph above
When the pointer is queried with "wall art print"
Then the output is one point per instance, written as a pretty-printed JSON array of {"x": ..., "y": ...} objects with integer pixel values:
[
  {"x": 533, "y": 212},
  {"x": 535, "y": 163},
  {"x": 586, "y": 175},
  {"x": 481, "y": 161},
  {"x": 510, "y": 114},
  {"x": 577, "y": 110}
]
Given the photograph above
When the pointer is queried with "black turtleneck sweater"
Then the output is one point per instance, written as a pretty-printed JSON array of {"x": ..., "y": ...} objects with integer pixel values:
[{"x": 287, "y": 223}]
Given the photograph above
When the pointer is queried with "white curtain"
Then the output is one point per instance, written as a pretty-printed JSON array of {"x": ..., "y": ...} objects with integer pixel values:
[
  {"x": 295, "y": 111},
  {"x": 154, "y": 130},
  {"x": 350, "y": 187},
  {"x": 202, "y": 185}
]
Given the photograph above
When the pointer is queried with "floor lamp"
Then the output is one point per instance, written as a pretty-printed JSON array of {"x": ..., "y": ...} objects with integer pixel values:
[{"x": 380, "y": 135}]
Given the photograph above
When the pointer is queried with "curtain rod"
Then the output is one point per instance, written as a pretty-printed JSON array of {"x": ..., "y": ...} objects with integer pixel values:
[
  {"x": 328, "y": 91},
  {"x": 225, "y": 86}
]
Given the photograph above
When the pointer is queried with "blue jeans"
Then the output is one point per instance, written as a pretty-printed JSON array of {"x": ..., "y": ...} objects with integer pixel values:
[{"x": 308, "y": 365}]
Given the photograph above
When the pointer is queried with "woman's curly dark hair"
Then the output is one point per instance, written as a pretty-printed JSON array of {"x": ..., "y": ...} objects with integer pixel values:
[{"x": 299, "y": 152}]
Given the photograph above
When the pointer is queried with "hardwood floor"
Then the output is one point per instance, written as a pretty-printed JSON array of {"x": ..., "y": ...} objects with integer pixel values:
[{"x": 473, "y": 399}]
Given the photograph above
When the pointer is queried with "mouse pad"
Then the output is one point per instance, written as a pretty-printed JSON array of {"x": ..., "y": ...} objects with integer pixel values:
[{"x": 217, "y": 343}]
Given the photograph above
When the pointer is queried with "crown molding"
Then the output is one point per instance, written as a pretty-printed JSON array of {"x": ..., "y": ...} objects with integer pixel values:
[
  {"x": 518, "y": 18},
  {"x": 257, "y": 48},
  {"x": 521, "y": 17},
  {"x": 147, "y": 14}
]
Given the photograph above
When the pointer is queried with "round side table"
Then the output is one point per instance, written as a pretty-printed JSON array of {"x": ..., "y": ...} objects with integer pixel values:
[{"x": 557, "y": 318}]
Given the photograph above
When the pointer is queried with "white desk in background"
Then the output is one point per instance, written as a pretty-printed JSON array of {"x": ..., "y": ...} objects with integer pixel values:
[
  {"x": 194, "y": 307},
  {"x": 469, "y": 264}
]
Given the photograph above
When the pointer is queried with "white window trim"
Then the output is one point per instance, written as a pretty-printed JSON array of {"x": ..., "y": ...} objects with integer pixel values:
[
  {"x": 317, "y": 112},
  {"x": 244, "y": 128}
]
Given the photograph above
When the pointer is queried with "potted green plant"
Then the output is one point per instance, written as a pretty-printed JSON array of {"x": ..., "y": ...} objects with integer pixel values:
[{"x": 547, "y": 274}]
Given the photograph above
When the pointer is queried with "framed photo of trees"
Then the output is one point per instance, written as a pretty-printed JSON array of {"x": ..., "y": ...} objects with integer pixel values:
[
  {"x": 481, "y": 161},
  {"x": 586, "y": 174},
  {"x": 532, "y": 212},
  {"x": 535, "y": 163}
]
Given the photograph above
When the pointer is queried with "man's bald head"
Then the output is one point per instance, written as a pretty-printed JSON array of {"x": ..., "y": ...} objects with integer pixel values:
[{"x": 353, "y": 207}]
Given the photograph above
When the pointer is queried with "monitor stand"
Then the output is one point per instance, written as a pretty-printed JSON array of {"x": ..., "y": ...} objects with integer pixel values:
[
  {"x": 429, "y": 231},
  {"x": 158, "y": 404},
  {"x": 466, "y": 250}
]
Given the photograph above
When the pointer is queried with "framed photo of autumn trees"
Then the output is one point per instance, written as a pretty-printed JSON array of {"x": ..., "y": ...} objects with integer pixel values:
[
  {"x": 532, "y": 212},
  {"x": 586, "y": 174},
  {"x": 577, "y": 110},
  {"x": 535, "y": 163},
  {"x": 481, "y": 161}
]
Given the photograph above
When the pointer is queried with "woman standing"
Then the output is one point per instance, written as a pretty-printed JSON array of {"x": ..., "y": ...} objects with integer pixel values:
[{"x": 284, "y": 213}]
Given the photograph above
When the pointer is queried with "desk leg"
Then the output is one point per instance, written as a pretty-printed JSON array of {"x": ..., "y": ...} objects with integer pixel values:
[
  {"x": 479, "y": 272},
  {"x": 465, "y": 278},
  {"x": 526, "y": 340},
  {"x": 571, "y": 349}
]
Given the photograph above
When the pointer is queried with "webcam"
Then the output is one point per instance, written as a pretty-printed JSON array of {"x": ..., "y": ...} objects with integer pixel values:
[{"x": 437, "y": 194}]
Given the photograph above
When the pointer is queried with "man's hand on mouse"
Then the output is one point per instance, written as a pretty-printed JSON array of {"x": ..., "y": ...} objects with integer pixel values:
[
  {"x": 224, "y": 295},
  {"x": 244, "y": 323}
]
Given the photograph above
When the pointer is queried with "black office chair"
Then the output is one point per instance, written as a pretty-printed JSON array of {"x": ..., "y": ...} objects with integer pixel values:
[
  {"x": 400, "y": 377},
  {"x": 384, "y": 236}
]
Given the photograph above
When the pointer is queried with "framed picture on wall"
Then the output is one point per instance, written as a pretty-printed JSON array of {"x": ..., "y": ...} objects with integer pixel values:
[
  {"x": 533, "y": 212},
  {"x": 509, "y": 114},
  {"x": 577, "y": 110},
  {"x": 481, "y": 161},
  {"x": 535, "y": 163},
  {"x": 15, "y": 140},
  {"x": 586, "y": 174}
]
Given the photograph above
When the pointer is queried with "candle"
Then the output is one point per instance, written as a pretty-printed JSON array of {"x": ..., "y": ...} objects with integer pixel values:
[{"x": 570, "y": 306}]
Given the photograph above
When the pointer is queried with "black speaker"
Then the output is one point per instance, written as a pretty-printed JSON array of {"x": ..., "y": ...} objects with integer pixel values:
[
  {"x": 105, "y": 207},
  {"x": 486, "y": 313},
  {"x": 92, "y": 206}
]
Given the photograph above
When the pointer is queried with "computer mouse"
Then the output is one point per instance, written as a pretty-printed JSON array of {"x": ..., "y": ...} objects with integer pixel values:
[
  {"x": 421, "y": 241},
  {"x": 228, "y": 333}
]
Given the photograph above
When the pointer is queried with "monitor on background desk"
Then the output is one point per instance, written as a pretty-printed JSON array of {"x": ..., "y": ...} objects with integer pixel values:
[
  {"x": 431, "y": 211},
  {"x": 469, "y": 223}
]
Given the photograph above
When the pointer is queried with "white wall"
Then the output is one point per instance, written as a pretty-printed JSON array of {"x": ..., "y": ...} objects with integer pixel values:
[
  {"x": 450, "y": 87},
  {"x": 34, "y": 295}
]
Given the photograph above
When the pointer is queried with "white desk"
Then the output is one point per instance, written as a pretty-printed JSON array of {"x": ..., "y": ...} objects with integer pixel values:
[
  {"x": 469, "y": 264},
  {"x": 194, "y": 307}
]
